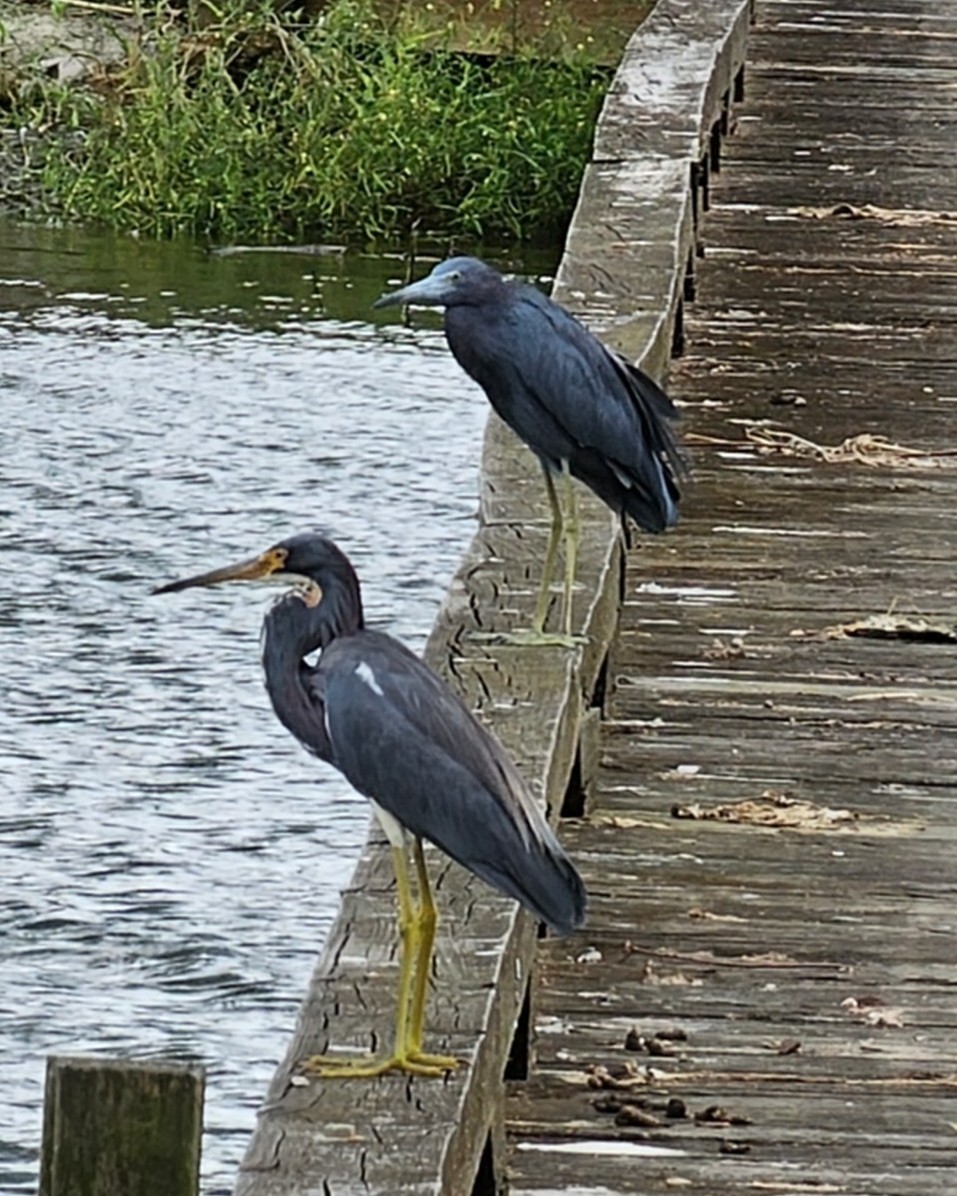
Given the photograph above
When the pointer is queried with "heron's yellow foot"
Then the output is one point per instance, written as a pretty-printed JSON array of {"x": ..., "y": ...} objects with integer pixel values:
[
  {"x": 368, "y": 1067},
  {"x": 546, "y": 639},
  {"x": 442, "y": 1062}
]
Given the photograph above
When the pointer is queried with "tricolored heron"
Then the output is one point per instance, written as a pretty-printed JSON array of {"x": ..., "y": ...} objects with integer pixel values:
[
  {"x": 400, "y": 736},
  {"x": 582, "y": 409}
]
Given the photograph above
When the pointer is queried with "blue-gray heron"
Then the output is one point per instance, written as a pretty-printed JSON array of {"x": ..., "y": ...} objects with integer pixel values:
[
  {"x": 400, "y": 736},
  {"x": 582, "y": 409}
]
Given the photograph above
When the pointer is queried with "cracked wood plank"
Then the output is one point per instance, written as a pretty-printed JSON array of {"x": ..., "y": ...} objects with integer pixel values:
[{"x": 810, "y": 967}]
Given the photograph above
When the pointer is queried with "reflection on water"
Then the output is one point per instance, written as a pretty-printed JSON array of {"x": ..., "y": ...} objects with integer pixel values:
[{"x": 170, "y": 860}]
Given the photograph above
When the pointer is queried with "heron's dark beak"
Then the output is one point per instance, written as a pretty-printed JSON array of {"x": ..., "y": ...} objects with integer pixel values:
[
  {"x": 427, "y": 292},
  {"x": 259, "y": 567}
]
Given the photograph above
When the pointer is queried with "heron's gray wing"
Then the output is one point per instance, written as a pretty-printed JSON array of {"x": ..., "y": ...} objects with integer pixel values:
[
  {"x": 571, "y": 362},
  {"x": 413, "y": 693},
  {"x": 403, "y": 738},
  {"x": 571, "y": 399}
]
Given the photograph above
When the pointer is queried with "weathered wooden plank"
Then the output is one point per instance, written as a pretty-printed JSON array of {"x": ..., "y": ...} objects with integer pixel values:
[
  {"x": 811, "y": 760},
  {"x": 860, "y": 14},
  {"x": 825, "y": 236},
  {"x": 676, "y": 84},
  {"x": 671, "y": 92},
  {"x": 725, "y": 686},
  {"x": 624, "y": 269},
  {"x": 775, "y": 1005},
  {"x": 906, "y": 187}
]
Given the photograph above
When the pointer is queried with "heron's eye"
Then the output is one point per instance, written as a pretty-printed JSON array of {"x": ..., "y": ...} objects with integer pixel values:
[{"x": 455, "y": 276}]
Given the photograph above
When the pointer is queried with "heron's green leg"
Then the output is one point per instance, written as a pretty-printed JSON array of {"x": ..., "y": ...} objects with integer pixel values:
[
  {"x": 554, "y": 533},
  {"x": 423, "y": 967},
  {"x": 406, "y": 1055},
  {"x": 572, "y": 537},
  {"x": 537, "y": 635}
]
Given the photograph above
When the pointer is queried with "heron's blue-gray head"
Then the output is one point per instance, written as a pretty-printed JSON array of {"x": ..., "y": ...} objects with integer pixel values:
[
  {"x": 456, "y": 281},
  {"x": 310, "y": 561}
]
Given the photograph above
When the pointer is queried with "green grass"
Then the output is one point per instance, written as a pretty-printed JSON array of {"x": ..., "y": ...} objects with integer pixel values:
[{"x": 347, "y": 127}]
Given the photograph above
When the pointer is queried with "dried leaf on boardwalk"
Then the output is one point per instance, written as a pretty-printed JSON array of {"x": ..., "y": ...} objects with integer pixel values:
[
  {"x": 770, "y": 809},
  {"x": 863, "y": 449},
  {"x": 892, "y": 217},
  {"x": 899, "y": 627}
]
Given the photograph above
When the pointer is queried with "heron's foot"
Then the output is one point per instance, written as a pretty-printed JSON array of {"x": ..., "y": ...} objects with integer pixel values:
[
  {"x": 368, "y": 1067},
  {"x": 443, "y": 1063}
]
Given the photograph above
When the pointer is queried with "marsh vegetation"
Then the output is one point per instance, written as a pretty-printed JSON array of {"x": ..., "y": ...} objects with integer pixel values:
[{"x": 244, "y": 121}]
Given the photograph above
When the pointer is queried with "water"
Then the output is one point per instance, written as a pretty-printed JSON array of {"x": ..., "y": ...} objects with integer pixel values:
[{"x": 170, "y": 861}]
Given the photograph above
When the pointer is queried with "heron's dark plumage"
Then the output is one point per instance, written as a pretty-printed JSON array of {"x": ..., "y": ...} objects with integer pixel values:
[
  {"x": 565, "y": 394},
  {"x": 401, "y": 736}
]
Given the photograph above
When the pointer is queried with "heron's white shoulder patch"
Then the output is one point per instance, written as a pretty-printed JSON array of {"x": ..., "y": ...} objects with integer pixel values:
[{"x": 364, "y": 673}]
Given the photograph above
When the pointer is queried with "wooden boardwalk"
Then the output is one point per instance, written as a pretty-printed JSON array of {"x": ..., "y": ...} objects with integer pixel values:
[
  {"x": 771, "y": 847},
  {"x": 625, "y": 263}
]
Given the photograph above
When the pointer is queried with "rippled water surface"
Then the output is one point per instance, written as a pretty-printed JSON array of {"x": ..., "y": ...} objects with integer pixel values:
[{"x": 170, "y": 860}]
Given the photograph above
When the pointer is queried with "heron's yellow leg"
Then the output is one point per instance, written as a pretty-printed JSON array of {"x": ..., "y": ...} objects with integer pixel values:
[
  {"x": 423, "y": 964},
  {"x": 405, "y": 1056},
  {"x": 536, "y": 635},
  {"x": 554, "y": 534},
  {"x": 426, "y": 930},
  {"x": 572, "y": 537}
]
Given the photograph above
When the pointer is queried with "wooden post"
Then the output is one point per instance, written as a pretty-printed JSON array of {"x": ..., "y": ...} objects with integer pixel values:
[{"x": 114, "y": 1127}]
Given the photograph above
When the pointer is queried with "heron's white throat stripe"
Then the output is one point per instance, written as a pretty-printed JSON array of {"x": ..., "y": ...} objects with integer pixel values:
[{"x": 365, "y": 673}]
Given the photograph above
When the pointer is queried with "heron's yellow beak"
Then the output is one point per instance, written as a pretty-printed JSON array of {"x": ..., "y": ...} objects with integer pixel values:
[{"x": 271, "y": 561}]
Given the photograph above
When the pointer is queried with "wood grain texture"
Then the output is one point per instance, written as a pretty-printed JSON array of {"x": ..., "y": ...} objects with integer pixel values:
[
  {"x": 121, "y": 1128},
  {"x": 421, "y": 1136},
  {"x": 771, "y": 845}
]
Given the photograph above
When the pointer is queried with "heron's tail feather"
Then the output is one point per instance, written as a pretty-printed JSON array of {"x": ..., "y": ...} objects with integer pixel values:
[
  {"x": 658, "y": 415},
  {"x": 648, "y": 496},
  {"x": 653, "y": 510},
  {"x": 543, "y": 879},
  {"x": 560, "y": 904}
]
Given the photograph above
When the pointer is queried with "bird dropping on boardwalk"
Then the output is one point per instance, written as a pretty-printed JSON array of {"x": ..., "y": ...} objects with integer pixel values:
[
  {"x": 399, "y": 735},
  {"x": 584, "y": 410}
]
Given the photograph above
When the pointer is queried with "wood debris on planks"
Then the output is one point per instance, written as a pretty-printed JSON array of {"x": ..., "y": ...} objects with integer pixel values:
[
  {"x": 863, "y": 449},
  {"x": 896, "y": 627},
  {"x": 892, "y": 217},
  {"x": 771, "y": 809}
]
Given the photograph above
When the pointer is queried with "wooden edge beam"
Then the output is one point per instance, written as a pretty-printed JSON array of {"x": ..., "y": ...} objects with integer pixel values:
[{"x": 624, "y": 269}]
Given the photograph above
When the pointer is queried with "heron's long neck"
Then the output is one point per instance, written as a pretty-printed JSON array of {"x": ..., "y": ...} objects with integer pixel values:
[
  {"x": 471, "y": 332},
  {"x": 339, "y": 611},
  {"x": 292, "y": 631}
]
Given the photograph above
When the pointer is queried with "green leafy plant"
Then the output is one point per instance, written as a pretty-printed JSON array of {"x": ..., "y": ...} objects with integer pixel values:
[{"x": 262, "y": 125}]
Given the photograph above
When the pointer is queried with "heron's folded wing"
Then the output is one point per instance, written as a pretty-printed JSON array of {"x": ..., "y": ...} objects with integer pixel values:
[
  {"x": 396, "y": 690},
  {"x": 602, "y": 401},
  {"x": 403, "y": 738}
]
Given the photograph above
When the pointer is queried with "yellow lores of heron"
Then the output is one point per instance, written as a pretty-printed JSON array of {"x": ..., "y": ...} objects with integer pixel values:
[{"x": 400, "y": 735}]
